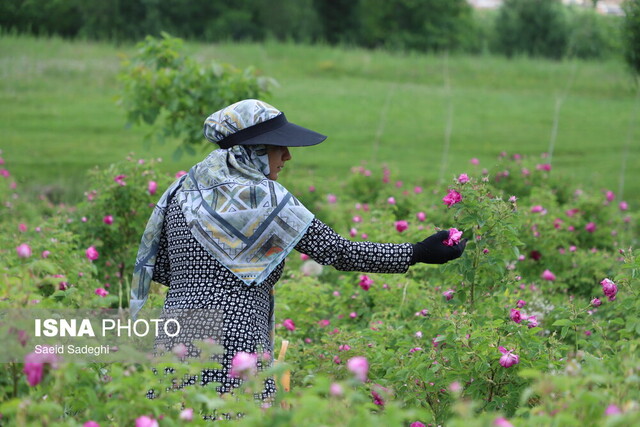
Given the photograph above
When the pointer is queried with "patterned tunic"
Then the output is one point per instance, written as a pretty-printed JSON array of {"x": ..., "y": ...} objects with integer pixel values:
[{"x": 196, "y": 280}]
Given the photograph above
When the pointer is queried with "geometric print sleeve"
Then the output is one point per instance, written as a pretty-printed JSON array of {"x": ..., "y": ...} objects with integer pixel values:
[
  {"x": 327, "y": 247},
  {"x": 162, "y": 269}
]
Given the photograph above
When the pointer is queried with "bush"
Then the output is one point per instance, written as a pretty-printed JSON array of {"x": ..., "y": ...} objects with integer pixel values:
[
  {"x": 532, "y": 27},
  {"x": 434, "y": 25},
  {"x": 161, "y": 85},
  {"x": 593, "y": 35},
  {"x": 433, "y": 357}
]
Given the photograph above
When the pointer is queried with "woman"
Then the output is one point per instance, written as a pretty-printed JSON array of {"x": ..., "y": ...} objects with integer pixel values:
[{"x": 219, "y": 235}]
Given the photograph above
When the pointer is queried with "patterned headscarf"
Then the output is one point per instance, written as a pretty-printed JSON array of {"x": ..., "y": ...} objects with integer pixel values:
[{"x": 246, "y": 221}]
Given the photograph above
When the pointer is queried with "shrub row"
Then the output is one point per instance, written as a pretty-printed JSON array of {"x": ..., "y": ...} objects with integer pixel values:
[{"x": 545, "y": 28}]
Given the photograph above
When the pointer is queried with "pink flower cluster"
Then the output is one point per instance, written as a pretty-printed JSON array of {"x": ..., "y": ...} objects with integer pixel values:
[{"x": 518, "y": 316}]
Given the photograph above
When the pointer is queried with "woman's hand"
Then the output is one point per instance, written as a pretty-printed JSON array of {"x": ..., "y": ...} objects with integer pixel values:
[{"x": 432, "y": 251}]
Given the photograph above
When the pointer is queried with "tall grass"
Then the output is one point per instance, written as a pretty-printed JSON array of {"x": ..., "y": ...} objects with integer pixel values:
[{"x": 58, "y": 114}]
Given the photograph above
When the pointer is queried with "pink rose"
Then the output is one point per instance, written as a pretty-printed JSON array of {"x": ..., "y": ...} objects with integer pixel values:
[
  {"x": 243, "y": 364},
  {"x": 590, "y": 227},
  {"x": 417, "y": 190},
  {"x": 180, "y": 350},
  {"x": 22, "y": 227},
  {"x": 391, "y": 200},
  {"x": 452, "y": 198},
  {"x": 336, "y": 390},
  {"x": 521, "y": 303},
  {"x": 448, "y": 294},
  {"x": 23, "y": 250},
  {"x": 532, "y": 321},
  {"x": 609, "y": 288},
  {"x": 120, "y": 179},
  {"x": 186, "y": 414},
  {"x": 324, "y": 322},
  {"x": 421, "y": 216},
  {"x": 152, "y": 187},
  {"x": 502, "y": 422},
  {"x": 180, "y": 174},
  {"x": 508, "y": 359},
  {"x": 610, "y": 195},
  {"x": 365, "y": 282},
  {"x": 454, "y": 237},
  {"x": 401, "y": 226},
  {"x": 612, "y": 410},
  {"x": 344, "y": 347},
  {"x": 596, "y": 302},
  {"x": 288, "y": 323},
  {"x": 92, "y": 253},
  {"x": 108, "y": 219},
  {"x": 515, "y": 315},
  {"x": 102, "y": 292},
  {"x": 145, "y": 421},
  {"x": 548, "y": 275},
  {"x": 359, "y": 367},
  {"x": 45, "y": 254},
  {"x": 34, "y": 366},
  {"x": 623, "y": 206},
  {"x": 331, "y": 198},
  {"x": 91, "y": 424},
  {"x": 463, "y": 178},
  {"x": 544, "y": 167},
  {"x": 474, "y": 161}
]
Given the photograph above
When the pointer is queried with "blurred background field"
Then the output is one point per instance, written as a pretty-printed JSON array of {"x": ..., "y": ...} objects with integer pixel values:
[{"x": 59, "y": 115}]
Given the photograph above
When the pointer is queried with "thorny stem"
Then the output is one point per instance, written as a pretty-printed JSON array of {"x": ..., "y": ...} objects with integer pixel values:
[
  {"x": 476, "y": 262},
  {"x": 491, "y": 384},
  {"x": 14, "y": 374}
]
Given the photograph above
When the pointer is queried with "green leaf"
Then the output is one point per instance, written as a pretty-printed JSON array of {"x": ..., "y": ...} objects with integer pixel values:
[{"x": 562, "y": 322}]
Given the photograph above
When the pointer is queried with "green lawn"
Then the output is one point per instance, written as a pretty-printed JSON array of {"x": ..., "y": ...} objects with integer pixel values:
[{"x": 58, "y": 115}]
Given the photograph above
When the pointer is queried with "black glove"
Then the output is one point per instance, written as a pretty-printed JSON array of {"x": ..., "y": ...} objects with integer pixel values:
[{"x": 432, "y": 251}]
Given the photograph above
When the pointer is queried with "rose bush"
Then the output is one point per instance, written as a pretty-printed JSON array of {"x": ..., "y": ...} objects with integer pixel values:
[{"x": 536, "y": 324}]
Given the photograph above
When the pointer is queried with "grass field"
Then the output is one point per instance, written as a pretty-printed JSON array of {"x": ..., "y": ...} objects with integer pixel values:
[{"x": 58, "y": 115}]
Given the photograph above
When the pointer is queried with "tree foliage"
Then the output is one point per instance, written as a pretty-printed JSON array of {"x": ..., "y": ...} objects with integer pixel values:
[
  {"x": 175, "y": 93},
  {"x": 631, "y": 34},
  {"x": 532, "y": 27}
]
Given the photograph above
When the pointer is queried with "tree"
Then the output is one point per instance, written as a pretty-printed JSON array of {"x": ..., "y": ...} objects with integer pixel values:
[
  {"x": 532, "y": 27},
  {"x": 631, "y": 34},
  {"x": 175, "y": 93}
]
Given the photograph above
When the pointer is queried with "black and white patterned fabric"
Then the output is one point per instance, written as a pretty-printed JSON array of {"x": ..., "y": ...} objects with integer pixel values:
[{"x": 197, "y": 280}]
